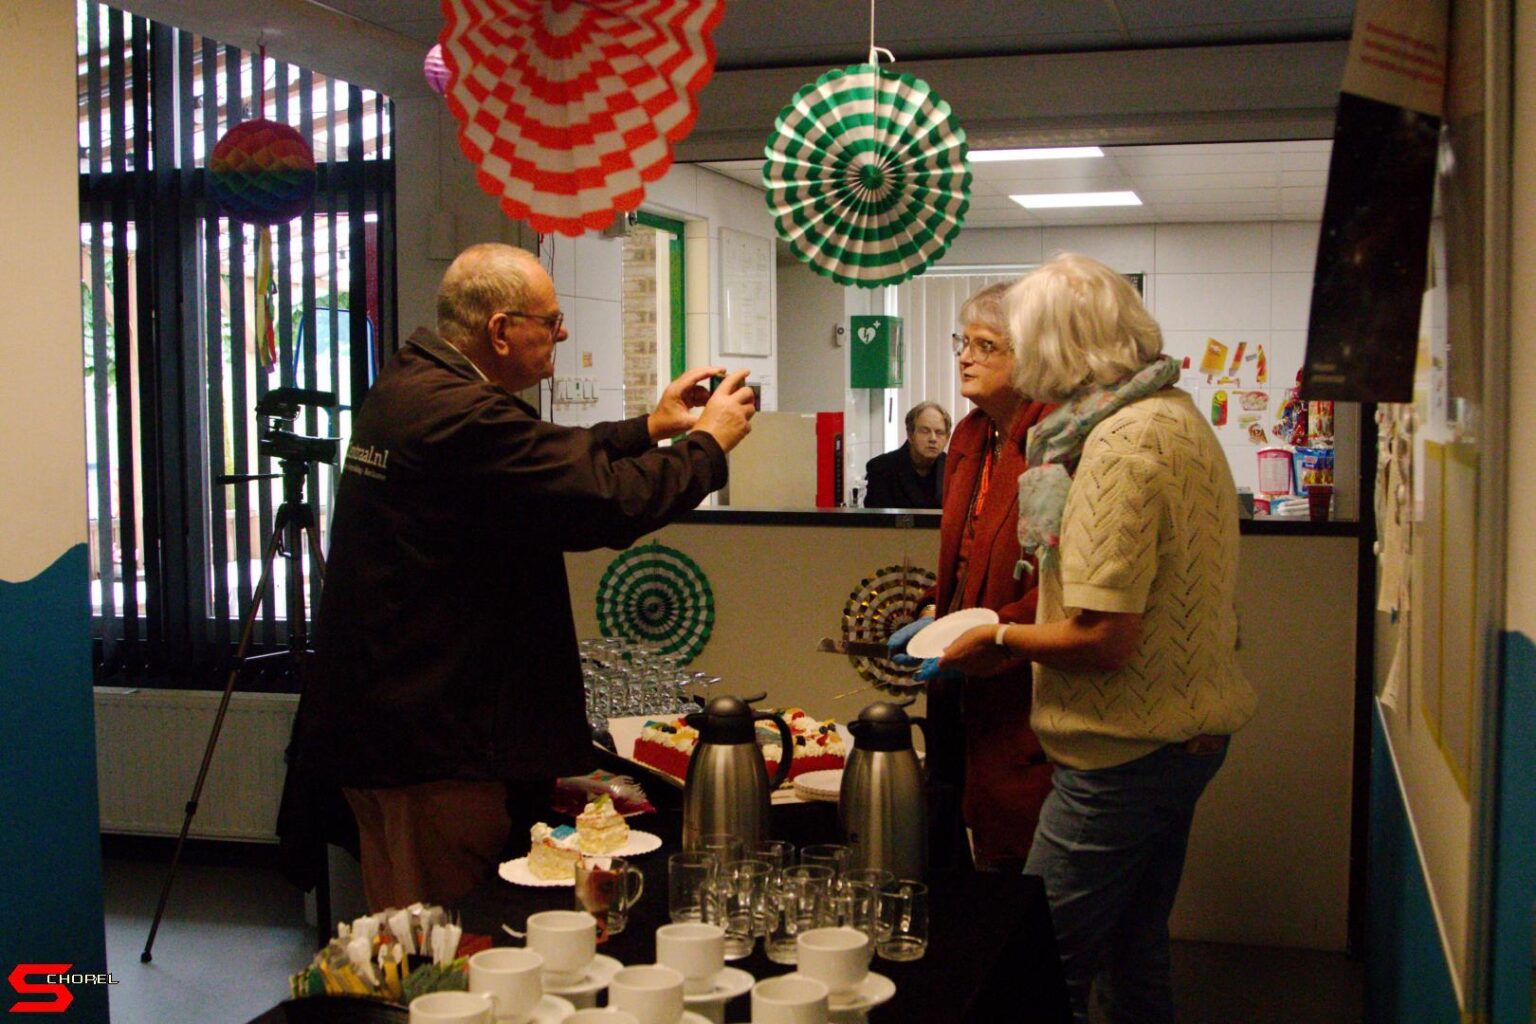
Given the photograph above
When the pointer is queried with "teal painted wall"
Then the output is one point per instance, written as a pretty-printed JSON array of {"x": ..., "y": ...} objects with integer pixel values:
[
  {"x": 50, "y": 846},
  {"x": 1514, "y": 882},
  {"x": 1407, "y": 978}
]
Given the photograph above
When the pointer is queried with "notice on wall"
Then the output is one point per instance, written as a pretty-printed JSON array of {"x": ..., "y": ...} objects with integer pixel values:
[{"x": 746, "y": 294}]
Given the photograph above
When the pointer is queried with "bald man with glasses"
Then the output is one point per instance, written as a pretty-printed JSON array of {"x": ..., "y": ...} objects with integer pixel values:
[{"x": 446, "y": 691}]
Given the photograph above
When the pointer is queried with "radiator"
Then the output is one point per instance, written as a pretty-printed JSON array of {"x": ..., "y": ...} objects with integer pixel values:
[{"x": 149, "y": 744}]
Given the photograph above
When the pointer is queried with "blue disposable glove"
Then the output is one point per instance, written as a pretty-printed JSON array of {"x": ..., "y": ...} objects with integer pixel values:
[
  {"x": 896, "y": 643},
  {"x": 929, "y": 671}
]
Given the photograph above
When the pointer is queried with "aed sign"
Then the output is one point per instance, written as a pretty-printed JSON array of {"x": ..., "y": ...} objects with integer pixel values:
[
  {"x": 45, "y": 987},
  {"x": 876, "y": 352}
]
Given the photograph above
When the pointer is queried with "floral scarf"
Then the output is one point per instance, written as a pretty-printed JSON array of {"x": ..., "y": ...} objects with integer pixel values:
[{"x": 1056, "y": 444}]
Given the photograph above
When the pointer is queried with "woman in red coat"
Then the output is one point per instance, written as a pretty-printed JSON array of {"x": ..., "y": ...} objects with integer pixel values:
[{"x": 1006, "y": 776}]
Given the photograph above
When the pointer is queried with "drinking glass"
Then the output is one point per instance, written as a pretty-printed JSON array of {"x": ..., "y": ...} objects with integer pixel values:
[
  {"x": 725, "y": 847},
  {"x": 734, "y": 899},
  {"x": 606, "y": 887},
  {"x": 830, "y": 855},
  {"x": 858, "y": 900},
  {"x": 803, "y": 901},
  {"x": 687, "y": 876},
  {"x": 903, "y": 920}
]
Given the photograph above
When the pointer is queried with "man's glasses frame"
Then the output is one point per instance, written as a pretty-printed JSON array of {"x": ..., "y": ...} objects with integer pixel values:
[{"x": 553, "y": 321}]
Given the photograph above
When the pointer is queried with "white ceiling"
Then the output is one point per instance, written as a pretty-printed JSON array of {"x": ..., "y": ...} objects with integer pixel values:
[
  {"x": 1237, "y": 181},
  {"x": 782, "y": 33}
]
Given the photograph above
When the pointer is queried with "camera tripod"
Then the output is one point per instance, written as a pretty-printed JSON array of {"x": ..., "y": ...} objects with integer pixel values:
[{"x": 294, "y": 528}]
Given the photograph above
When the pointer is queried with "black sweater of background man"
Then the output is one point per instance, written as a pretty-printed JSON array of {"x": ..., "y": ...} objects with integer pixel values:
[{"x": 891, "y": 481}]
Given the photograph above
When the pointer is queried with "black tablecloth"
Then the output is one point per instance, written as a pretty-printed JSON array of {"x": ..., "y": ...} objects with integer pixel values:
[{"x": 991, "y": 953}]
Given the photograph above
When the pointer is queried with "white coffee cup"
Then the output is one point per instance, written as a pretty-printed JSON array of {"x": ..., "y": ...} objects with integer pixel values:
[
  {"x": 567, "y": 940},
  {"x": 696, "y": 951},
  {"x": 789, "y": 999},
  {"x": 453, "y": 1008},
  {"x": 511, "y": 977},
  {"x": 836, "y": 957},
  {"x": 654, "y": 994},
  {"x": 607, "y": 1015}
]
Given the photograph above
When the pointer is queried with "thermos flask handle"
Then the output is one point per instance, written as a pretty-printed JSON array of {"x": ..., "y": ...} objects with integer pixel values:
[
  {"x": 922, "y": 726},
  {"x": 788, "y": 747}
]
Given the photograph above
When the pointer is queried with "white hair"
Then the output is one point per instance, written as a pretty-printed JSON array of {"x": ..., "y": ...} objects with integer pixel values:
[{"x": 1075, "y": 323}]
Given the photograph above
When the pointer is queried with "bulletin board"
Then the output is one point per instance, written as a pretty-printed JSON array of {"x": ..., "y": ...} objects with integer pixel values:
[{"x": 746, "y": 294}]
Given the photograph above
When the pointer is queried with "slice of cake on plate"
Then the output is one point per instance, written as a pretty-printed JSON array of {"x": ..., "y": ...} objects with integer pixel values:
[
  {"x": 600, "y": 828},
  {"x": 554, "y": 852}
]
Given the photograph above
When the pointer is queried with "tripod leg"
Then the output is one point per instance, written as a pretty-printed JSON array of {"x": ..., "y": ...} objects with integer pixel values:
[{"x": 246, "y": 628}]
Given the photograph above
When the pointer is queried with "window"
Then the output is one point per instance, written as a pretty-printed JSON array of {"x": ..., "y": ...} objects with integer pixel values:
[{"x": 171, "y": 372}]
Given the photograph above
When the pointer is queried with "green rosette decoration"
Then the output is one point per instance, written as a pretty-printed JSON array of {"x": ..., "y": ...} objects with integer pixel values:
[
  {"x": 656, "y": 595},
  {"x": 867, "y": 176}
]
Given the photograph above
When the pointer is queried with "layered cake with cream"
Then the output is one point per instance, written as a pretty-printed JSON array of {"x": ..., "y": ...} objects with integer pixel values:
[
  {"x": 600, "y": 828},
  {"x": 553, "y": 851},
  {"x": 666, "y": 745}
]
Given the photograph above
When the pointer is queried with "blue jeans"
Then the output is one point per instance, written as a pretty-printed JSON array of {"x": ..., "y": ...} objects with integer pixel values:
[{"x": 1110, "y": 848}]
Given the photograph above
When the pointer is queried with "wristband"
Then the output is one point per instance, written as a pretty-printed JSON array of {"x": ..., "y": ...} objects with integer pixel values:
[{"x": 998, "y": 639}]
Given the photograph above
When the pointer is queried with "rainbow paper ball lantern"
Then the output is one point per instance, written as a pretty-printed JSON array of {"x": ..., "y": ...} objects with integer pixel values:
[
  {"x": 262, "y": 172},
  {"x": 436, "y": 69}
]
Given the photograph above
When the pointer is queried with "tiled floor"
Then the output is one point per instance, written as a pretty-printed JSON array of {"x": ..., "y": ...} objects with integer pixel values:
[{"x": 232, "y": 936}]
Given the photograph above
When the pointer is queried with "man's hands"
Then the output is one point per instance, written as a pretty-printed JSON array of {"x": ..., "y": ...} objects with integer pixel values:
[
  {"x": 677, "y": 410},
  {"x": 688, "y": 405},
  {"x": 727, "y": 414}
]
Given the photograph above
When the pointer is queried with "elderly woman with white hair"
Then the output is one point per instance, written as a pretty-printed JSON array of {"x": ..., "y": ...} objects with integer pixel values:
[{"x": 1131, "y": 512}]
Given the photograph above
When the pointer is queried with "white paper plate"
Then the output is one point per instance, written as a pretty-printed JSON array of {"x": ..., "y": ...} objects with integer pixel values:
[
  {"x": 940, "y": 633},
  {"x": 638, "y": 842},
  {"x": 518, "y": 873},
  {"x": 826, "y": 785}
]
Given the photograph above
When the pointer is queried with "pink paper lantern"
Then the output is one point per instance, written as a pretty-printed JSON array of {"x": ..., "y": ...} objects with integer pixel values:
[{"x": 435, "y": 69}]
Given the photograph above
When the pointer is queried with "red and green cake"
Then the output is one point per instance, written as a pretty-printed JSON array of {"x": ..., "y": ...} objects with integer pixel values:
[{"x": 666, "y": 745}]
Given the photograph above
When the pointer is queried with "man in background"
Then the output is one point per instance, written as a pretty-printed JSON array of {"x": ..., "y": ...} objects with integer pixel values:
[
  {"x": 446, "y": 691},
  {"x": 912, "y": 476}
]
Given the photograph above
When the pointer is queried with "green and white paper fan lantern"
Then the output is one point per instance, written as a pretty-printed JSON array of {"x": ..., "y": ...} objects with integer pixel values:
[
  {"x": 867, "y": 176},
  {"x": 656, "y": 595}
]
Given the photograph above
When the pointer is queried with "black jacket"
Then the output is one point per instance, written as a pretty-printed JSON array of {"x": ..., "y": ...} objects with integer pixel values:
[
  {"x": 891, "y": 482},
  {"x": 444, "y": 641}
]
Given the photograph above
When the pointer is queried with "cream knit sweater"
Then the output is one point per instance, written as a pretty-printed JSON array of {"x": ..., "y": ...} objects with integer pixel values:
[{"x": 1150, "y": 527}]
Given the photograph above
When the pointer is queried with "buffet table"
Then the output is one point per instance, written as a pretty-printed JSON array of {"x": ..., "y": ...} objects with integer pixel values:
[{"x": 991, "y": 953}]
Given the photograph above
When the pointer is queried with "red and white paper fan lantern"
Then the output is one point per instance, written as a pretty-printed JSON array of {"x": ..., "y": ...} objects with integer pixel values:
[{"x": 568, "y": 107}]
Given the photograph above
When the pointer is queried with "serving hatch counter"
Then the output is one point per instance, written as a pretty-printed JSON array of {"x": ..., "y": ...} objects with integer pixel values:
[{"x": 1274, "y": 827}]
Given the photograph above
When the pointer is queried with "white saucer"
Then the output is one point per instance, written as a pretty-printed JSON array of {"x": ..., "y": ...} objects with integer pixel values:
[
  {"x": 872, "y": 991},
  {"x": 940, "y": 633},
  {"x": 599, "y": 973},
  {"x": 516, "y": 872},
  {"x": 823, "y": 785},
  {"x": 551, "y": 1010},
  {"x": 689, "y": 1017},
  {"x": 638, "y": 842},
  {"x": 729, "y": 983}
]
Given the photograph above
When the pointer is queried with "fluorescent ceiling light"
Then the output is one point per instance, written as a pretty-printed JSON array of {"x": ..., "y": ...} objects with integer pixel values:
[
  {"x": 982, "y": 156},
  {"x": 1066, "y": 200}
]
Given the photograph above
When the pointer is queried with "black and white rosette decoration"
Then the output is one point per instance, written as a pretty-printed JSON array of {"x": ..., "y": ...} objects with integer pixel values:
[
  {"x": 882, "y": 604},
  {"x": 658, "y": 596}
]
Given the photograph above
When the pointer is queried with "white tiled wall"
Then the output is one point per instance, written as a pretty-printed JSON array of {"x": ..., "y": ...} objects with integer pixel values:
[{"x": 1237, "y": 283}]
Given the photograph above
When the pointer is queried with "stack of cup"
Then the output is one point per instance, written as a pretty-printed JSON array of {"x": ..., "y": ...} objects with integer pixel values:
[
  {"x": 836, "y": 957},
  {"x": 696, "y": 951},
  {"x": 653, "y": 994},
  {"x": 735, "y": 900},
  {"x": 453, "y": 1008},
  {"x": 789, "y": 999},
  {"x": 511, "y": 977},
  {"x": 567, "y": 940}
]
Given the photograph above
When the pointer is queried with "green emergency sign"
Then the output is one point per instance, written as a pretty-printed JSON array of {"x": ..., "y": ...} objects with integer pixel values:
[{"x": 876, "y": 351}]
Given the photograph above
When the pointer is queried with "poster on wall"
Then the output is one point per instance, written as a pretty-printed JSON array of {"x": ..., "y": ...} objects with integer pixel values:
[
  {"x": 1362, "y": 334},
  {"x": 746, "y": 294}
]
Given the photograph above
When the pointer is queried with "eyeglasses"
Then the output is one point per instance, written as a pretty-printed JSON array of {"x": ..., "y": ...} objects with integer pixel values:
[
  {"x": 982, "y": 348},
  {"x": 553, "y": 321}
]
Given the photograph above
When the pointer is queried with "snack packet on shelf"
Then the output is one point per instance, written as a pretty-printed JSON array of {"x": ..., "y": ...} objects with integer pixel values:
[{"x": 574, "y": 792}]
